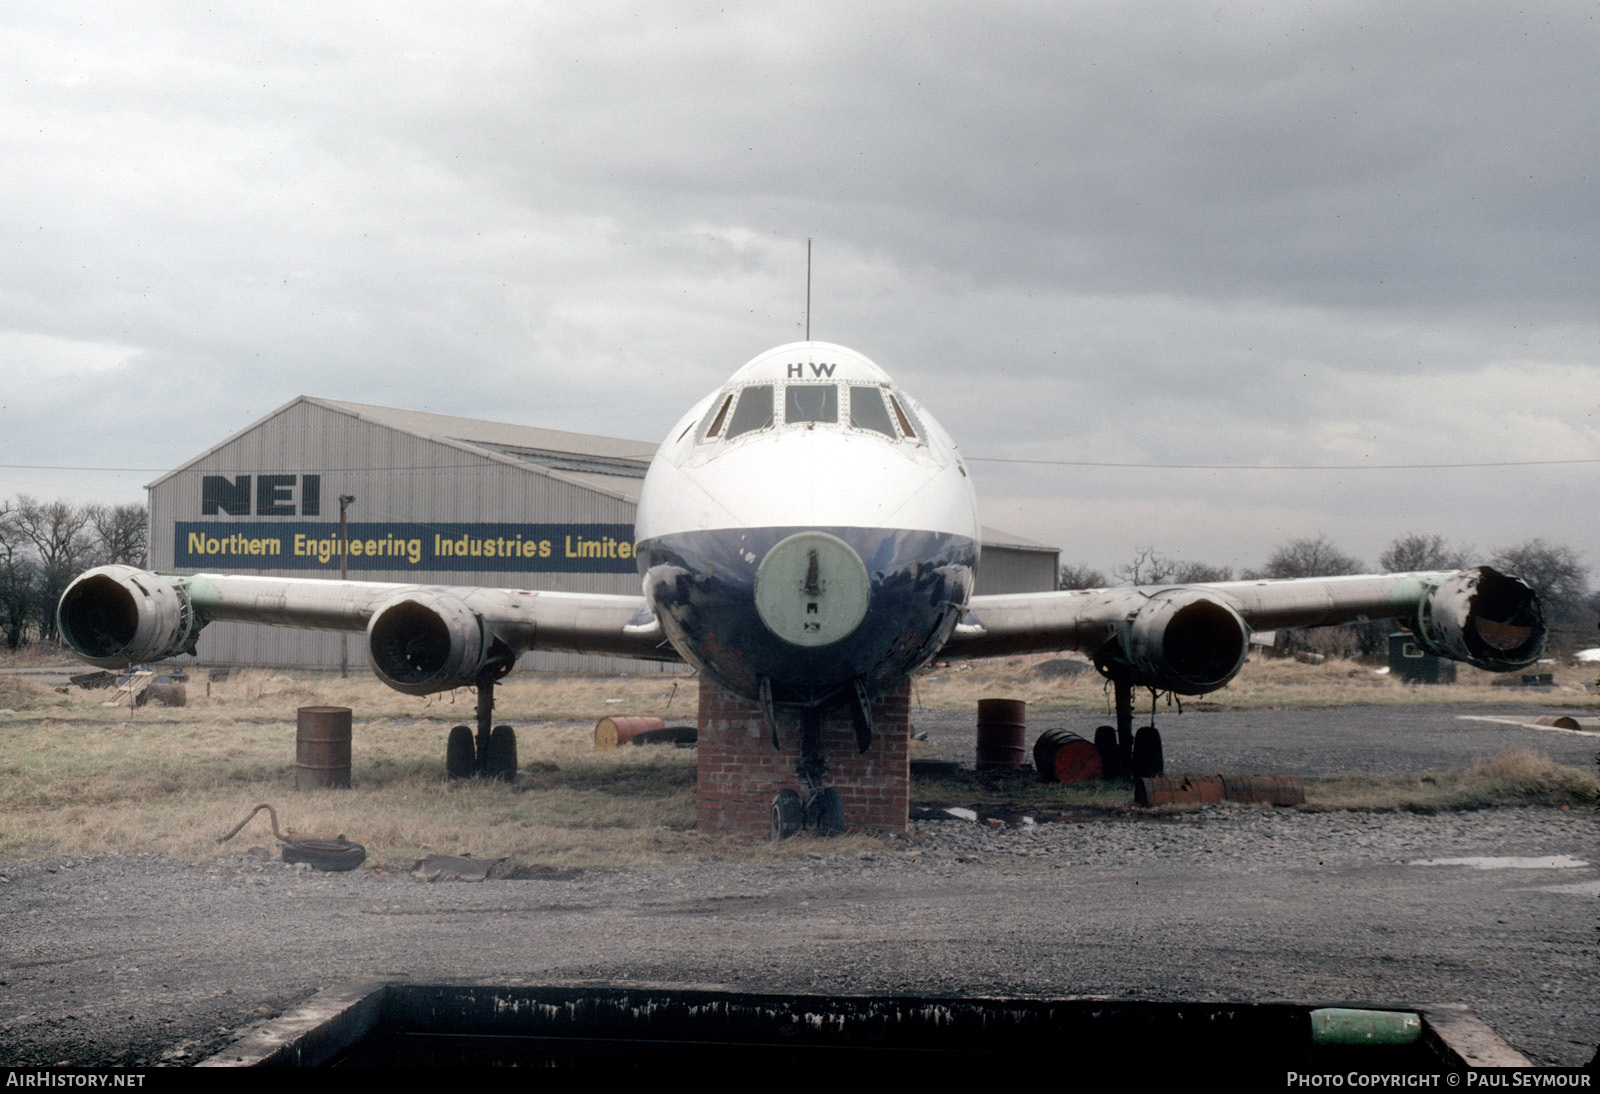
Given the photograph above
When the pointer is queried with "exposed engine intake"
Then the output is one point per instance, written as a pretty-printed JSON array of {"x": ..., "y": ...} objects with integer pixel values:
[
  {"x": 1483, "y": 617},
  {"x": 1184, "y": 641},
  {"x": 115, "y": 616},
  {"x": 422, "y": 643}
]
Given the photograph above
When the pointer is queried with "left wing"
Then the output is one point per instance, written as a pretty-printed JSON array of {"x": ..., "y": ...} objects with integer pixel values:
[
  {"x": 1192, "y": 639},
  {"x": 421, "y": 638}
]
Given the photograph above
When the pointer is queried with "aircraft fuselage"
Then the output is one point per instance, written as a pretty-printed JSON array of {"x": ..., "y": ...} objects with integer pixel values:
[{"x": 810, "y": 525}]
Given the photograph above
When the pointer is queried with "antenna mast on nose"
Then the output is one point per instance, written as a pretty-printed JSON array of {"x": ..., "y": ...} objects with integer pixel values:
[{"x": 808, "y": 289}]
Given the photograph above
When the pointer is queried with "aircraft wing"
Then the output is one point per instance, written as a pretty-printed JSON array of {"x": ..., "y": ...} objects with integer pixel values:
[
  {"x": 1193, "y": 638},
  {"x": 421, "y": 638}
]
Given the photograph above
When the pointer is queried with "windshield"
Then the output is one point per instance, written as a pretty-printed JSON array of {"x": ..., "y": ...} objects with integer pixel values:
[
  {"x": 753, "y": 412},
  {"x": 810, "y": 403}
]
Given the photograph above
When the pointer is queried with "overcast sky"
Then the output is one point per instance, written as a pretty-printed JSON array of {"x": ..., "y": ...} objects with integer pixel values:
[{"x": 1340, "y": 235}]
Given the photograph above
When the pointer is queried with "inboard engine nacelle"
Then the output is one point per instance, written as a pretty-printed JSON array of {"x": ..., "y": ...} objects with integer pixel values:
[
  {"x": 1483, "y": 617},
  {"x": 426, "y": 642},
  {"x": 116, "y": 616},
  {"x": 1181, "y": 640}
]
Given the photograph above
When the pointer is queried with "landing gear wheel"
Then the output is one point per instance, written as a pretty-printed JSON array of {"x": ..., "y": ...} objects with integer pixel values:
[
  {"x": 786, "y": 815},
  {"x": 500, "y": 759},
  {"x": 460, "y": 755},
  {"x": 825, "y": 813},
  {"x": 1105, "y": 743},
  {"x": 1147, "y": 759}
]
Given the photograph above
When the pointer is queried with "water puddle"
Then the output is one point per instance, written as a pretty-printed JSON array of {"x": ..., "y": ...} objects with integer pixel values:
[{"x": 1505, "y": 862}]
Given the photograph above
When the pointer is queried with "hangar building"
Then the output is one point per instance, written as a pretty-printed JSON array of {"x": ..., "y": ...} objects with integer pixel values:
[{"x": 437, "y": 500}]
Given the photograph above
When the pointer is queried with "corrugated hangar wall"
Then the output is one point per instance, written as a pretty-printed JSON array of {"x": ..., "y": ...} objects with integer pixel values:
[
  {"x": 266, "y": 501},
  {"x": 438, "y": 500}
]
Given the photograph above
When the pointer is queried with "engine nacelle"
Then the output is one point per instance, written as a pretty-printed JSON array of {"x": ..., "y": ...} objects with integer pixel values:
[
  {"x": 116, "y": 616},
  {"x": 1486, "y": 618},
  {"x": 421, "y": 643},
  {"x": 1183, "y": 641}
]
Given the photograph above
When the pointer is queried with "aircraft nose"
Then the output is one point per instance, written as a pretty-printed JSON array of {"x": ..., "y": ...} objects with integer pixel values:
[{"x": 812, "y": 589}]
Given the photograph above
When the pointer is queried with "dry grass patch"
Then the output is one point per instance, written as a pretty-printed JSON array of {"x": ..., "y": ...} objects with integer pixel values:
[
  {"x": 1517, "y": 778},
  {"x": 1264, "y": 682}
]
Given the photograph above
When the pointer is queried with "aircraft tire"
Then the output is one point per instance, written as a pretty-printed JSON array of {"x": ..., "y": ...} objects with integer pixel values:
[
  {"x": 460, "y": 754},
  {"x": 787, "y": 815},
  {"x": 1148, "y": 761},
  {"x": 1105, "y": 743},
  {"x": 501, "y": 762},
  {"x": 825, "y": 813},
  {"x": 335, "y": 855}
]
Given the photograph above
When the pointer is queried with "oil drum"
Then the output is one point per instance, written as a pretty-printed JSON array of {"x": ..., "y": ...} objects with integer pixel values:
[
  {"x": 322, "y": 748},
  {"x": 1002, "y": 733}
]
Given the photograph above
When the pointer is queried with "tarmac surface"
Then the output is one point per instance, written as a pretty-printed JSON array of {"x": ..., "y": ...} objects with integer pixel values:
[{"x": 142, "y": 960}]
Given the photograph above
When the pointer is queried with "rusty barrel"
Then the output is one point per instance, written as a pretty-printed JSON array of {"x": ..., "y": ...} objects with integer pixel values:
[
  {"x": 1060, "y": 756},
  {"x": 1187, "y": 789},
  {"x": 611, "y": 732},
  {"x": 322, "y": 748},
  {"x": 1265, "y": 789},
  {"x": 1002, "y": 734}
]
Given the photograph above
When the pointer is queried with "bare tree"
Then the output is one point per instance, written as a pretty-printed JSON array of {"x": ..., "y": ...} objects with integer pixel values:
[
  {"x": 1562, "y": 582},
  {"x": 1201, "y": 573},
  {"x": 1314, "y": 557},
  {"x": 19, "y": 579},
  {"x": 122, "y": 534},
  {"x": 1420, "y": 552},
  {"x": 1082, "y": 577},
  {"x": 1147, "y": 568},
  {"x": 61, "y": 545}
]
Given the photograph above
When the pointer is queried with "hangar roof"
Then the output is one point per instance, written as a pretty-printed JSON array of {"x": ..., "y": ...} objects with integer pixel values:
[
  {"x": 607, "y": 464},
  {"x": 554, "y": 448},
  {"x": 994, "y": 537}
]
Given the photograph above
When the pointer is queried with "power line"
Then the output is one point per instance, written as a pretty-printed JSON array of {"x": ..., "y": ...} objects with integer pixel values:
[
  {"x": 969, "y": 459},
  {"x": 1282, "y": 467}
]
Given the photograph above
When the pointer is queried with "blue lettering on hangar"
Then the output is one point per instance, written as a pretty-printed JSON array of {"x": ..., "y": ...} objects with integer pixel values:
[{"x": 392, "y": 545}]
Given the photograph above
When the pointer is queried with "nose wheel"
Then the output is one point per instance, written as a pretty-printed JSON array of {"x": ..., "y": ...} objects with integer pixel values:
[{"x": 814, "y": 807}]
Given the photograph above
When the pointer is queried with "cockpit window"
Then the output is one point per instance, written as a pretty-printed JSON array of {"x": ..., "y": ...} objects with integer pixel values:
[
  {"x": 903, "y": 415},
  {"x": 867, "y": 412},
  {"x": 753, "y": 412},
  {"x": 810, "y": 403},
  {"x": 719, "y": 416}
]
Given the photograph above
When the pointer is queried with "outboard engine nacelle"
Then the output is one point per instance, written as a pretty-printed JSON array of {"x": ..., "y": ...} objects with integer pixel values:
[
  {"x": 116, "y": 616},
  {"x": 1486, "y": 618},
  {"x": 1184, "y": 641},
  {"x": 426, "y": 642}
]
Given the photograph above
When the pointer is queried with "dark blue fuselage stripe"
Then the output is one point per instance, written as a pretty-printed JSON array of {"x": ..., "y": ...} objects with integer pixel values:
[{"x": 702, "y": 588}]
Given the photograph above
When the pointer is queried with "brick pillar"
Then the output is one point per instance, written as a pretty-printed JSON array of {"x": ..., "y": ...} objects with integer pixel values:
[{"x": 740, "y": 772}]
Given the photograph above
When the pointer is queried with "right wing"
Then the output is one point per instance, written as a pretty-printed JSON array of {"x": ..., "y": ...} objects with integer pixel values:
[
  {"x": 1192, "y": 639},
  {"x": 421, "y": 638}
]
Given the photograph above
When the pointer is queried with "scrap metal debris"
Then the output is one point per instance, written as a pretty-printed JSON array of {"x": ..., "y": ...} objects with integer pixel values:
[{"x": 333, "y": 853}]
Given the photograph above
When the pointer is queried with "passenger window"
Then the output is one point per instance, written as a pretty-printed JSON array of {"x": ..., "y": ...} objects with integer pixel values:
[
  {"x": 867, "y": 412},
  {"x": 753, "y": 412},
  {"x": 810, "y": 403}
]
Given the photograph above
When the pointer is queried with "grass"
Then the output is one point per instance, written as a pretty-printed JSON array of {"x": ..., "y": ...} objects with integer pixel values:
[
  {"x": 1518, "y": 778},
  {"x": 80, "y": 777},
  {"x": 1271, "y": 683}
]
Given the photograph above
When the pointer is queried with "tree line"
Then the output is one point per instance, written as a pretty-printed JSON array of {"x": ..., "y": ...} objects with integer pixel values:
[
  {"x": 1556, "y": 573},
  {"x": 45, "y": 544}
]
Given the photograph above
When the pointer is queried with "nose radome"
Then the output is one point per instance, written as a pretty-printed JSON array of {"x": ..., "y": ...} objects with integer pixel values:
[{"x": 812, "y": 589}]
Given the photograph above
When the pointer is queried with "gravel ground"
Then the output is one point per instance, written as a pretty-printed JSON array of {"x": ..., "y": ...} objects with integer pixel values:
[{"x": 143, "y": 960}]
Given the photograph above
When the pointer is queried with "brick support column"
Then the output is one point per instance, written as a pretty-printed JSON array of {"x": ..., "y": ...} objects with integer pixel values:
[{"x": 740, "y": 772}]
